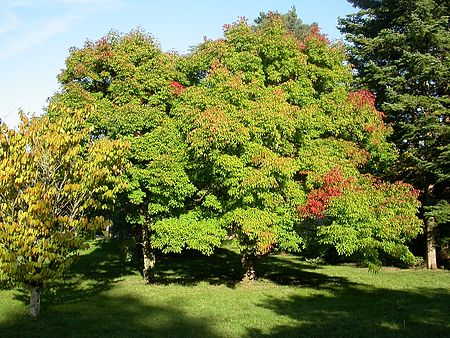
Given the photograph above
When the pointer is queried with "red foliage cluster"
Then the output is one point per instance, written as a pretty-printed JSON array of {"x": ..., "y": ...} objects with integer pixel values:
[
  {"x": 103, "y": 48},
  {"x": 314, "y": 34},
  {"x": 332, "y": 177},
  {"x": 102, "y": 41},
  {"x": 80, "y": 70},
  {"x": 415, "y": 192},
  {"x": 370, "y": 128},
  {"x": 278, "y": 91},
  {"x": 226, "y": 27},
  {"x": 215, "y": 65},
  {"x": 402, "y": 187},
  {"x": 178, "y": 88},
  {"x": 242, "y": 19},
  {"x": 300, "y": 45},
  {"x": 362, "y": 98},
  {"x": 318, "y": 199},
  {"x": 266, "y": 242},
  {"x": 360, "y": 156}
]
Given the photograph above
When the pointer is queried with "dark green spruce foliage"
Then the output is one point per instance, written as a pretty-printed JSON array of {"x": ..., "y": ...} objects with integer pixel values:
[
  {"x": 293, "y": 23},
  {"x": 401, "y": 51}
]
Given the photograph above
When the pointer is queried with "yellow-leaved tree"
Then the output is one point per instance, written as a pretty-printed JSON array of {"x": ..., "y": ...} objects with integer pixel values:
[{"x": 56, "y": 181}]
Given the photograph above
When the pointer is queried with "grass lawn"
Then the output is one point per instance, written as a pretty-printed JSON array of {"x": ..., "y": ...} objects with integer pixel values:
[{"x": 198, "y": 296}]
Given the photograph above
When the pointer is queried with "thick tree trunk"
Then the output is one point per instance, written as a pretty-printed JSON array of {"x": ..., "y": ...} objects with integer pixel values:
[
  {"x": 431, "y": 243},
  {"x": 35, "y": 302},
  {"x": 149, "y": 256},
  {"x": 248, "y": 261}
]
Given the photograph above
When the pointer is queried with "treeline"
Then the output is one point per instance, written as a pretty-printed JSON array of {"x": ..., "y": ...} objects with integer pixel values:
[{"x": 260, "y": 137}]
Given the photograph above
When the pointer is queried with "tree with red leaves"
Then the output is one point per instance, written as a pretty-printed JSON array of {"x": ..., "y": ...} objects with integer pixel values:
[
  {"x": 255, "y": 135},
  {"x": 278, "y": 140},
  {"x": 134, "y": 85}
]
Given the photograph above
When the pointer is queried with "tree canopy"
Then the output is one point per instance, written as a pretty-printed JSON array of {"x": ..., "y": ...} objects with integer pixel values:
[
  {"x": 241, "y": 138},
  {"x": 273, "y": 117},
  {"x": 134, "y": 86}
]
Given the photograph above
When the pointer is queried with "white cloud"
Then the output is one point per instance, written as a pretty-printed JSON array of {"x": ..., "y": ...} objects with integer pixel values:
[
  {"x": 53, "y": 3},
  {"x": 9, "y": 22},
  {"x": 18, "y": 34},
  {"x": 25, "y": 24},
  {"x": 36, "y": 34}
]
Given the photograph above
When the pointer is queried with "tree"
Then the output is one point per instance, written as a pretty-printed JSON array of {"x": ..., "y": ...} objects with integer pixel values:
[
  {"x": 401, "y": 52},
  {"x": 54, "y": 180},
  {"x": 291, "y": 21},
  {"x": 368, "y": 217},
  {"x": 268, "y": 119},
  {"x": 134, "y": 86},
  {"x": 237, "y": 137}
]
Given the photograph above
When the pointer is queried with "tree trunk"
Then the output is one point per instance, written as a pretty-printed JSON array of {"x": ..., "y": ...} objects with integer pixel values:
[
  {"x": 430, "y": 224},
  {"x": 248, "y": 260},
  {"x": 430, "y": 231},
  {"x": 149, "y": 256},
  {"x": 35, "y": 302}
]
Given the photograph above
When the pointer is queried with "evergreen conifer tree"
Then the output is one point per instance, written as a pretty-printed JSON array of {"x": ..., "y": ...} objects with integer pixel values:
[{"x": 401, "y": 51}]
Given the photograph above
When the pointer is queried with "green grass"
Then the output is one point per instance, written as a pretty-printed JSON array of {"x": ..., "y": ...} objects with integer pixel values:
[{"x": 198, "y": 296}]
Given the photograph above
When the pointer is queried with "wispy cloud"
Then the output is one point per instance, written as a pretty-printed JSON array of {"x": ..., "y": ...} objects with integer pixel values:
[
  {"x": 38, "y": 33},
  {"x": 18, "y": 32},
  {"x": 9, "y": 22},
  {"x": 52, "y": 3}
]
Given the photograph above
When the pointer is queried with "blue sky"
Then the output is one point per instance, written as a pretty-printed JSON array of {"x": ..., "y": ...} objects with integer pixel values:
[{"x": 35, "y": 35}]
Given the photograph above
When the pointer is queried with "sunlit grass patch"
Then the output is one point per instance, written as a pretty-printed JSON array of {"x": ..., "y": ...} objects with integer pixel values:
[{"x": 197, "y": 296}]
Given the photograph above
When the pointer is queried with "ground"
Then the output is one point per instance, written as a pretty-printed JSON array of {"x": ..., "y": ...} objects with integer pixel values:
[{"x": 197, "y": 296}]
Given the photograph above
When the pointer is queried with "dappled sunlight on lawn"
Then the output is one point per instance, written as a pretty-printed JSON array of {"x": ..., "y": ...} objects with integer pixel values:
[{"x": 199, "y": 296}]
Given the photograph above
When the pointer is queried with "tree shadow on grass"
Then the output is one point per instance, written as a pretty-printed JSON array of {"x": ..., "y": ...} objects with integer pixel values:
[
  {"x": 109, "y": 316},
  {"x": 287, "y": 269},
  {"x": 92, "y": 273},
  {"x": 79, "y": 306},
  {"x": 335, "y": 306},
  {"x": 223, "y": 268},
  {"x": 106, "y": 264},
  {"x": 362, "y": 311},
  {"x": 191, "y": 268}
]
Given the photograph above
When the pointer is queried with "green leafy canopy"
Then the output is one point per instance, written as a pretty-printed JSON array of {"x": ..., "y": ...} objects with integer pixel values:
[{"x": 56, "y": 181}]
